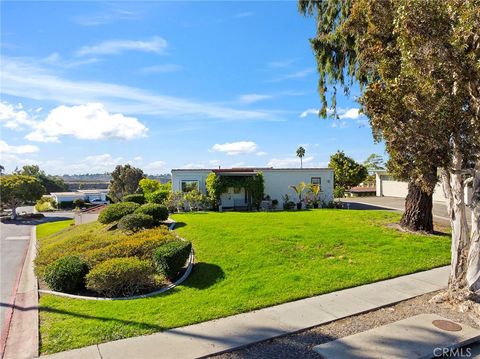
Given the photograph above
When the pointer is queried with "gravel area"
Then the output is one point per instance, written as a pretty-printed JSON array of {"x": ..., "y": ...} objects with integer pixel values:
[{"x": 300, "y": 345}]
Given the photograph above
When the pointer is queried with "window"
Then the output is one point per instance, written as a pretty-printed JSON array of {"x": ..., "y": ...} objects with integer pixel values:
[
  {"x": 188, "y": 186},
  {"x": 317, "y": 180}
]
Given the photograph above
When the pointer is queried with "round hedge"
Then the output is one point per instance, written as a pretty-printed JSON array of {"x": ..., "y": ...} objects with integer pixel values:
[
  {"x": 157, "y": 211},
  {"x": 66, "y": 274},
  {"x": 115, "y": 212},
  {"x": 136, "y": 197},
  {"x": 135, "y": 222},
  {"x": 121, "y": 277},
  {"x": 170, "y": 257}
]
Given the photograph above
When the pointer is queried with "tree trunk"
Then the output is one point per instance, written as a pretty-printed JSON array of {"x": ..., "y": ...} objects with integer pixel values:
[
  {"x": 454, "y": 194},
  {"x": 473, "y": 261},
  {"x": 418, "y": 210}
]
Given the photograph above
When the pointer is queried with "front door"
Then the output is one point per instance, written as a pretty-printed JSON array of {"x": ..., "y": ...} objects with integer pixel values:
[{"x": 234, "y": 197}]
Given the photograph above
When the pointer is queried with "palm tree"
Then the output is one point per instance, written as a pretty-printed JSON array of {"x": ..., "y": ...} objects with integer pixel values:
[
  {"x": 300, "y": 154},
  {"x": 299, "y": 188},
  {"x": 315, "y": 189}
]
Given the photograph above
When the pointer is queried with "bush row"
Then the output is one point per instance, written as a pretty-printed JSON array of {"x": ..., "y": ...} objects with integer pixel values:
[
  {"x": 119, "y": 276},
  {"x": 116, "y": 212}
]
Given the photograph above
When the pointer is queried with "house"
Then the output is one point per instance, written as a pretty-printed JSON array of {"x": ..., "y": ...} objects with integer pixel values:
[
  {"x": 277, "y": 182},
  {"x": 359, "y": 191},
  {"x": 87, "y": 195},
  {"x": 386, "y": 185}
]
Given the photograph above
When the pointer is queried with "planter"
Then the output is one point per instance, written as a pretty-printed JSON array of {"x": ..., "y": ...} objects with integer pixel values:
[{"x": 299, "y": 205}]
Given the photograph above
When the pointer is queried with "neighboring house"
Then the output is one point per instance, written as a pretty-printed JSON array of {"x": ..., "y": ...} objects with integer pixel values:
[
  {"x": 88, "y": 195},
  {"x": 276, "y": 182},
  {"x": 360, "y": 191},
  {"x": 386, "y": 185}
]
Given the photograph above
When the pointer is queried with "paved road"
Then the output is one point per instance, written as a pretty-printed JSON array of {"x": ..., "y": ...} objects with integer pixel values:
[
  {"x": 14, "y": 238},
  {"x": 440, "y": 214}
]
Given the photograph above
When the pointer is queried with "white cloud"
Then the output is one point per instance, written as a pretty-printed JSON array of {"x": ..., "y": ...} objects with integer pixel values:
[
  {"x": 5, "y": 148},
  {"x": 289, "y": 162},
  {"x": 281, "y": 63},
  {"x": 15, "y": 117},
  {"x": 24, "y": 78},
  {"x": 235, "y": 148},
  {"x": 351, "y": 113},
  {"x": 193, "y": 165},
  {"x": 310, "y": 111},
  {"x": 294, "y": 75},
  {"x": 244, "y": 14},
  {"x": 253, "y": 97},
  {"x": 113, "y": 47},
  {"x": 261, "y": 153},
  {"x": 156, "y": 167},
  {"x": 86, "y": 122},
  {"x": 158, "y": 69},
  {"x": 339, "y": 124}
]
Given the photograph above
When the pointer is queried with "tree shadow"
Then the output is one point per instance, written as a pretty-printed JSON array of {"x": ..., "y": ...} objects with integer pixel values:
[
  {"x": 179, "y": 225},
  {"x": 204, "y": 275}
]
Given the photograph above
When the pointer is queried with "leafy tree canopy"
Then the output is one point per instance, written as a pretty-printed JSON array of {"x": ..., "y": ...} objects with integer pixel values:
[
  {"x": 51, "y": 183},
  {"x": 17, "y": 190},
  {"x": 125, "y": 180},
  {"x": 347, "y": 172}
]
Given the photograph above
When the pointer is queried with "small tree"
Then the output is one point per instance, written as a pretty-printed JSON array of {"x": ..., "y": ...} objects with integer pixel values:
[
  {"x": 51, "y": 183},
  {"x": 301, "y": 154},
  {"x": 17, "y": 190},
  {"x": 149, "y": 185},
  {"x": 315, "y": 189},
  {"x": 125, "y": 180},
  {"x": 299, "y": 189},
  {"x": 347, "y": 172},
  {"x": 194, "y": 199}
]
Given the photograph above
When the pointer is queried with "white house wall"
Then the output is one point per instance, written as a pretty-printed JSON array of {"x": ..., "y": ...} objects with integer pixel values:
[
  {"x": 278, "y": 182},
  {"x": 191, "y": 175}
]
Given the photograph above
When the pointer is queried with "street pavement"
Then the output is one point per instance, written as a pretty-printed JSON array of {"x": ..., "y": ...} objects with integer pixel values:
[
  {"x": 440, "y": 214},
  {"x": 14, "y": 239}
]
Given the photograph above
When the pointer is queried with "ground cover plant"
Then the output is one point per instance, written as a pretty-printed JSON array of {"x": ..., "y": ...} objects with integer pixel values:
[{"x": 246, "y": 261}]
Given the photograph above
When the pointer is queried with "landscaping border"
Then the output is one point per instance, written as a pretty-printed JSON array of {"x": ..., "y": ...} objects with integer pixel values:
[{"x": 185, "y": 275}]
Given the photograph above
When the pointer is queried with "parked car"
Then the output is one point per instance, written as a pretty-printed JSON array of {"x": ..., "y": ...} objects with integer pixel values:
[{"x": 98, "y": 201}]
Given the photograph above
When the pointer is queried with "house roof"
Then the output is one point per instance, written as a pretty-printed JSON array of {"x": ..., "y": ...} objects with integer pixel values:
[
  {"x": 251, "y": 169},
  {"x": 359, "y": 189}
]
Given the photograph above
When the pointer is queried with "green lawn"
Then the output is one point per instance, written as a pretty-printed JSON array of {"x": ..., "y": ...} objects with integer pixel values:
[{"x": 247, "y": 261}]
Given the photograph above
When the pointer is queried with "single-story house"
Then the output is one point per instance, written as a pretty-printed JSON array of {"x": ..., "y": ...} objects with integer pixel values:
[
  {"x": 359, "y": 191},
  {"x": 277, "y": 182},
  {"x": 386, "y": 185},
  {"x": 88, "y": 195}
]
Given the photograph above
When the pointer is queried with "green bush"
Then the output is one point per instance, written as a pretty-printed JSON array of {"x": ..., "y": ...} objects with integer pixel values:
[
  {"x": 115, "y": 212},
  {"x": 66, "y": 274},
  {"x": 79, "y": 202},
  {"x": 134, "y": 222},
  {"x": 45, "y": 204},
  {"x": 65, "y": 205},
  {"x": 159, "y": 196},
  {"x": 121, "y": 277},
  {"x": 157, "y": 211},
  {"x": 136, "y": 197},
  {"x": 170, "y": 257},
  {"x": 339, "y": 192}
]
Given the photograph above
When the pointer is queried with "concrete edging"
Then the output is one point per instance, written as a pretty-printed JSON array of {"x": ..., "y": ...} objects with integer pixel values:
[{"x": 185, "y": 275}]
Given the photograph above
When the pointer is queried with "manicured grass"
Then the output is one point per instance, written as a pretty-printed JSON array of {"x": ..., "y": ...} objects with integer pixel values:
[
  {"x": 247, "y": 261},
  {"x": 49, "y": 228}
]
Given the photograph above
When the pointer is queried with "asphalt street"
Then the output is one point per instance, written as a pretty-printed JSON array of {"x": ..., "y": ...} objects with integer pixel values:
[{"x": 14, "y": 239}]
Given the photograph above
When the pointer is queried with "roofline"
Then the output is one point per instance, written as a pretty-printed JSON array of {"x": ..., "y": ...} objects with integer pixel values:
[{"x": 251, "y": 169}]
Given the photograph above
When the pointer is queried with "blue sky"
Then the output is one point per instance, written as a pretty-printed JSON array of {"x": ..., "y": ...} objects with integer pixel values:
[{"x": 161, "y": 85}]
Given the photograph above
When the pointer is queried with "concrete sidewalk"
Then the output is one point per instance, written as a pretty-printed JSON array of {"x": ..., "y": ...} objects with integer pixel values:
[{"x": 233, "y": 332}]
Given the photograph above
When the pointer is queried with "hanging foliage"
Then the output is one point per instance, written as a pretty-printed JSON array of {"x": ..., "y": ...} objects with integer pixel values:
[{"x": 253, "y": 185}]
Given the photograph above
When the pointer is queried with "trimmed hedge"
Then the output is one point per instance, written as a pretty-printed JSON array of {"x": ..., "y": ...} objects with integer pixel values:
[
  {"x": 135, "y": 222},
  {"x": 170, "y": 257},
  {"x": 157, "y": 211},
  {"x": 66, "y": 274},
  {"x": 159, "y": 196},
  {"x": 115, "y": 212},
  {"x": 121, "y": 277},
  {"x": 136, "y": 197}
]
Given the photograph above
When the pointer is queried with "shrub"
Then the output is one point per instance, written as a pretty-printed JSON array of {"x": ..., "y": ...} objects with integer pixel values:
[
  {"x": 135, "y": 222},
  {"x": 45, "y": 204},
  {"x": 170, "y": 257},
  {"x": 79, "y": 202},
  {"x": 65, "y": 205},
  {"x": 115, "y": 212},
  {"x": 121, "y": 277},
  {"x": 157, "y": 211},
  {"x": 339, "y": 192},
  {"x": 137, "y": 198},
  {"x": 160, "y": 196},
  {"x": 66, "y": 274}
]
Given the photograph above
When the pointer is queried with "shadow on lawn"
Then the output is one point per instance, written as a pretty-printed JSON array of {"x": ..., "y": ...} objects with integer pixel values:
[
  {"x": 179, "y": 225},
  {"x": 204, "y": 275}
]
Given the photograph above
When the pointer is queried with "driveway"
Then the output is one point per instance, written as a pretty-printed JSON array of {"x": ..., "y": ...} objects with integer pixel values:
[
  {"x": 440, "y": 214},
  {"x": 14, "y": 239}
]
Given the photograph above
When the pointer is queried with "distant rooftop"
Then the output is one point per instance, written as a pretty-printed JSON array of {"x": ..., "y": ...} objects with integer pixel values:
[{"x": 251, "y": 169}]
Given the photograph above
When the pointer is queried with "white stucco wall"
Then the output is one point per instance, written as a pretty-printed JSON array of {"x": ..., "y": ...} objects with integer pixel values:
[{"x": 276, "y": 181}]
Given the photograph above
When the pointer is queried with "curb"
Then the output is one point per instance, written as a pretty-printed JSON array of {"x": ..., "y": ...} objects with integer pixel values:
[
  {"x": 185, "y": 275},
  {"x": 22, "y": 340}
]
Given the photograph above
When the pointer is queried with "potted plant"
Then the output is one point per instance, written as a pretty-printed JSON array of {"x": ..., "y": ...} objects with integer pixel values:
[
  {"x": 315, "y": 189},
  {"x": 274, "y": 203},
  {"x": 299, "y": 190}
]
